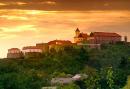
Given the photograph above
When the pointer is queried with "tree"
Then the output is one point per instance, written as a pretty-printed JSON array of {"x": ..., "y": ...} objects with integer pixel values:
[
  {"x": 110, "y": 78},
  {"x": 92, "y": 82},
  {"x": 70, "y": 86}
]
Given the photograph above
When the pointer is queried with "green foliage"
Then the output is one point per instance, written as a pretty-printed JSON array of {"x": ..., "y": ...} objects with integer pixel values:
[
  {"x": 70, "y": 86},
  {"x": 110, "y": 55},
  {"x": 120, "y": 78},
  {"x": 69, "y": 61},
  {"x": 92, "y": 82},
  {"x": 21, "y": 81},
  {"x": 110, "y": 78},
  {"x": 107, "y": 68},
  {"x": 128, "y": 84}
]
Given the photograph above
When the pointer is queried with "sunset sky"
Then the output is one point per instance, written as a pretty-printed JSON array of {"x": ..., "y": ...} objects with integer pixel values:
[{"x": 27, "y": 22}]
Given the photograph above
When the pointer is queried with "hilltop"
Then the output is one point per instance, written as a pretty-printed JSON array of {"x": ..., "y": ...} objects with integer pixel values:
[
  {"x": 107, "y": 68},
  {"x": 92, "y": 40}
]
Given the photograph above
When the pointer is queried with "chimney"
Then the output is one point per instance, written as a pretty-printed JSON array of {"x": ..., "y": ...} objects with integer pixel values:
[{"x": 125, "y": 38}]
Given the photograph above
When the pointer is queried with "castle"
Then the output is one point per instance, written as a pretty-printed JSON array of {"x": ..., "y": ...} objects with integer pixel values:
[
  {"x": 93, "y": 40},
  {"x": 96, "y": 37}
]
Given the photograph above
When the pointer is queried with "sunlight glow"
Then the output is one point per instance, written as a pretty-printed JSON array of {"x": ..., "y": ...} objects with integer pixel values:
[
  {"x": 14, "y": 17},
  {"x": 19, "y": 28}
]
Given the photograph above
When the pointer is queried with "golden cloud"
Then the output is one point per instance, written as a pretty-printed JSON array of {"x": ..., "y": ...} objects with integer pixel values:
[
  {"x": 20, "y": 3},
  {"x": 13, "y": 3},
  {"x": 18, "y": 28},
  {"x": 13, "y": 17},
  {"x": 49, "y": 2},
  {"x": 3, "y": 4}
]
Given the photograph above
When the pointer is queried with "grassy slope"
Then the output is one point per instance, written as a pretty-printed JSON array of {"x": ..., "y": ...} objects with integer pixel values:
[{"x": 128, "y": 84}]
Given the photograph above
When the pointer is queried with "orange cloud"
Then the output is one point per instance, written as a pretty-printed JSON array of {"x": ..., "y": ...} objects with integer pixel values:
[
  {"x": 19, "y": 28},
  {"x": 3, "y": 4},
  {"x": 20, "y": 3},
  {"x": 49, "y": 2},
  {"x": 13, "y": 17}
]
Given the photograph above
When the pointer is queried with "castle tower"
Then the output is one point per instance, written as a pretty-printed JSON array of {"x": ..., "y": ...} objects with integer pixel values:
[{"x": 77, "y": 32}]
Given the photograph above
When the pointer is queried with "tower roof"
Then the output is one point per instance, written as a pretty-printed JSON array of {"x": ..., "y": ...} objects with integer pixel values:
[{"x": 77, "y": 30}]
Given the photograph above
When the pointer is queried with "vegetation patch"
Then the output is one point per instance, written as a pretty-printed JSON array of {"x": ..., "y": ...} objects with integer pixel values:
[{"x": 107, "y": 68}]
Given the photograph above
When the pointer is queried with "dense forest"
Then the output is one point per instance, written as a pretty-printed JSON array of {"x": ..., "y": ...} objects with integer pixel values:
[{"x": 107, "y": 68}]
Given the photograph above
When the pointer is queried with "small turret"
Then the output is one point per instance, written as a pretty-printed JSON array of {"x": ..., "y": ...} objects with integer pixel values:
[{"x": 77, "y": 32}]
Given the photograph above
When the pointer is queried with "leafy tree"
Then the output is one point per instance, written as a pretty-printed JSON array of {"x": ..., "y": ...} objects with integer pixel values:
[
  {"x": 70, "y": 86},
  {"x": 110, "y": 78},
  {"x": 92, "y": 82}
]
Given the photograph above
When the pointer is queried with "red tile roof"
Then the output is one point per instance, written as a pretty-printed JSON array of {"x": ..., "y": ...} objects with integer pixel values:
[
  {"x": 105, "y": 34},
  {"x": 14, "y": 49},
  {"x": 84, "y": 35},
  {"x": 31, "y": 47}
]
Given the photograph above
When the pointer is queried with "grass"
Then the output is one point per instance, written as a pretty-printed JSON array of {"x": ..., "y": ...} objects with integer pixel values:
[{"x": 128, "y": 84}]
